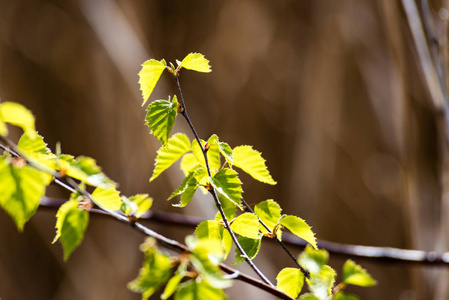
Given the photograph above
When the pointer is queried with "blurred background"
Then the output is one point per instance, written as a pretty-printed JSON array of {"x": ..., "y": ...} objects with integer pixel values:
[{"x": 331, "y": 92}]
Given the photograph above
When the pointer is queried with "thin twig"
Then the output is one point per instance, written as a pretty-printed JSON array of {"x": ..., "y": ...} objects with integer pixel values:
[{"x": 214, "y": 194}]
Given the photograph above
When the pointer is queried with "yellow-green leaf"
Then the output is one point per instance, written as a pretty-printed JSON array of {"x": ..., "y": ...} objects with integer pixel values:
[
  {"x": 246, "y": 225},
  {"x": 160, "y": 118},
  {"x": 299, "y": 228},
  {"x": 356, "y": 275},
  {"x": 177, "y": 146},
  {"x": 250, "y": 246},
  {"x": 71, "y": 223},
  {"x": 227, "y": 183},
  {"x": 21, "y": 187},
  {"x": 108, "y": 199},
  {"x": 270, "y": 213},
  {"x": 290, "y": 281},
  {"x": 196, "y": 62},
  {"x": 16, "y": 114},
  {"x": 251, "y": 161},
  {"x": 148, "y": 77},
  {"x": 189, "y": 163}
]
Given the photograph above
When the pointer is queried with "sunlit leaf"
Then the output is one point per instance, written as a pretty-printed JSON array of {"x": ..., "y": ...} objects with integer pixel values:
[
  {"x": 290, "y": 281},
  {"x": 189, "y": 163},
  {"x": 21, "y": 187},
  {"x": 155, "y": 272},
  {"x": 251, "y": 161},
  {"x": 136, "y": 205},
  {"x": 149, "y": 75},
  {"x": 177, "y": 146},
  {"x": 34, "y": 149},
  {"x": 213, "y": 155},
  {"x": 171, "y": 286},
  {"x": 321, "y": 284},
  {"x": 213, "y": 230},
  {"x": 246, "y": 225},
  {"x": 299, "y": 228},
  {"x": 16, "y": 114},
  {"x": 312, "y": 260},
  {"x": 194, "y": 290},
  {"x": 227, "y": 183},
  {"x": 343, "y": 296},
  {"x": 71, "y": 224},
  {"x": 308, "y": 296},
  {"x": 108, "y": 199},
  {"x": 160, "y": 118},
  {"x": 196, "y": 62},
  {"x": 250, "y": 246},
  {"x": 356, "y": 275},
  {"x": 269, "y": 212}
]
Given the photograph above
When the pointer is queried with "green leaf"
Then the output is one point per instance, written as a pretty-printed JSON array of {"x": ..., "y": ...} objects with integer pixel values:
[
  {"x": 149, "y": 75},
  {"x": 193, "y": 290},
  {"x": 290, "y": 281},
  {"x": 299, "y": 228},
  {"x": 160, "y": 118},
  {"x": 343, "y": 296},
  {"x": 136, "y": 205},
  {"x": 312, "y": 260},
  {"x": 212, "y": 229},
  {"x": 206, "y": 256},
  {"x": 308, "y": 296},
  {"x": 188, "y": 187},
  {"x": 213, "y": 155},
  {"x": 155, "y": 272},
  {"x": 71, "y": 223},
  {"x": 246, "y": 225},
  {"x": 177, "y": 146},
  {"x": 227, "y": 183},
  {"x": 269, "y": 212},
  {"x": 21, "y": 187},
  {"x": 108, "y": 199},
  {"x": 189, "y": 163},
  {"x": 171, "y": 286},
  {"x": 321, "y": 284},
  {"x": 84, "y": 169},
  {"x": 250, "y": 246},
  {"x": 224, "y": 148},
  {"x": 34, "y": 149},
  {"x": 251, "y": 161},
  {"x": 16, "y": 114},
  {"x": 196, "y": 62},
  {"x": 356, "y": 275}
]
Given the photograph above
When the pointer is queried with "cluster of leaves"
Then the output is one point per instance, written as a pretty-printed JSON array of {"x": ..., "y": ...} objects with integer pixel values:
[
  {"x": 25, "y": 176},
  {"x": 210, "y": 166}
]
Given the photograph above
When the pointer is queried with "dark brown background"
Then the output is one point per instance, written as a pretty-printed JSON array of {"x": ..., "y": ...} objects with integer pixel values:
[{"x": 331, "y": 92}]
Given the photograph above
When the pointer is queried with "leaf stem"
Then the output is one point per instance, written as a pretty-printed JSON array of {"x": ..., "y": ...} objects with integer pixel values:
[{"x": 214, "y": 194}]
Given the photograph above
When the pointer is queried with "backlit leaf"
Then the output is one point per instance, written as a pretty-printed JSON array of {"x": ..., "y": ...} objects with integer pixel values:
[
  {"x": 160, "y": 118},
  {"x": 321, "y": 284},
  {"x": 194, "y": 290},
  {"x": 227, "y": 183},
  {"x": 34, "y": 149},
  {"x": 177, "y": 146},
  {"x": 155, "y": 272},
  {"x": 136, "y": 205},
  {"x": 213, "y": 155},
  {"x": 251, "y": 161},
  {"x": 196, "y": 62},
  {"x": 356, "y": 275},
  {"x": 250, "y": 246},
  {"x": 312, "y": 260},
  {"x": 21, "y": 187},
  {"x": 108, "y": 199},
  {"x": 16, "y": 114},
  {"x": 290, "y": 281},
  {"x": 189, "y": 163},
  {"x": 299, "y": 228},
  {"x": 270, "y": 213},
  {"x": 246, "y": 225},
  {"x": 71, "y": 223},
  {"x": 149, "y": 75}
]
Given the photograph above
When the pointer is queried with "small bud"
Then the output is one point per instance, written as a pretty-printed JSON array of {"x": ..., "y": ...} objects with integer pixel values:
[
  {"x": 179, "y": 108},
  {"x": 208, "y": 186},
  {"x": 18, "y": 162}
]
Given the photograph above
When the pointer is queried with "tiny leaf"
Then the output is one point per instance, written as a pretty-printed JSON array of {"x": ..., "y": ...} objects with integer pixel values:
[
  {"x": 354, "y": 274},
  {"x": 177, "y": 146},
  {"x": 148, "y": 77},
  {"x": 251, "y": 161},
  {"x": 71, "y": 223},
  {"x": 160, "y": 118},
  {"x": 196, "y": 62},
  {"x": 227, "y": 183},
  {"x": 290, "y": 281},
  {"x": 299, "y": 228}
]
